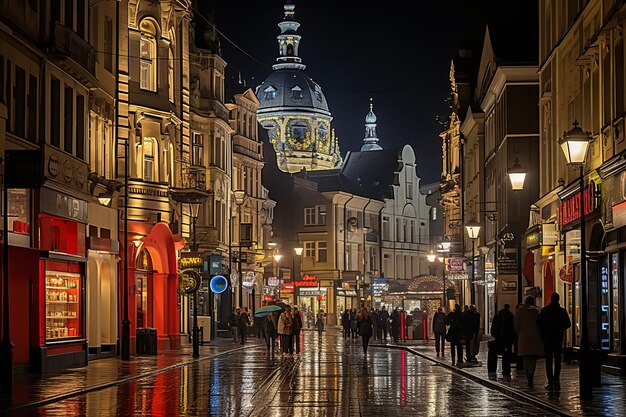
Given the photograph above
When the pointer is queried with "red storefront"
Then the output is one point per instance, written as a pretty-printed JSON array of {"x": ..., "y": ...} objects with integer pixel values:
[
  {"x": 152, "y": 283},
  {"x": 58, "y": 339}
]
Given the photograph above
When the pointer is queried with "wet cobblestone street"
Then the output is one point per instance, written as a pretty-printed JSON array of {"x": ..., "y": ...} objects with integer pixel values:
[{"x": 331, "y": 377}]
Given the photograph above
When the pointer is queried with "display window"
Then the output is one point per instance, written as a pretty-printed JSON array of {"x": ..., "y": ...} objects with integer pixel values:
[
  {"x": 19, "y": 211},
  {"x": 64, "y": 289}
]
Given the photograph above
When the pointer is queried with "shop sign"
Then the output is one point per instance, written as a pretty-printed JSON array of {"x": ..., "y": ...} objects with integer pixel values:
[
  {"x": 533, "y": 239},
  {"x": 190, "y": 261},
  {"x": 347, "y": 293},
  {"x": 248, "y": 279},
  {"x": 507, "y": 264},
  {"x": 62, "y": 205},
  {"x": 569, "y": 210},
  {"x": 215, "y": 264},
  {"x": 218, "y": 284},
  {"x": 307, "y": 281},
  {"x": 273, "y": 282},
  {"x": 103, "y": 244},
  {"x": 456, "y": 265},
  {"x": 566, "y": 273},
  {"x": 286, "y": 287},
  {"x": 379, "y": 286},
  {"x": 619, "y": 214},
  {"x": 285, "y": 274},
  {"x": 509, "y": 286},
  {"x": 544, "y": 234},
  {"x": 65, "y": 169},
  {"x": 312, "y": 292}
]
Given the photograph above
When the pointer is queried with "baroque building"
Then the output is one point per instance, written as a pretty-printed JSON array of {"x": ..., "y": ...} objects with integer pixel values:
[{"x": 294, "y": 110}]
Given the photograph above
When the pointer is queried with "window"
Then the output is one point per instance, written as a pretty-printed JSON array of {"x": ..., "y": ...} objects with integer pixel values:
[
  {"x": 298, "y": 130},
  {"x": 309, "y": 216},
  {"x": 385, "y": 271},
  {"x": 170, "y": 75},
  {"x": 386, "y": 228},
  {"x": 433, "y": 213},
  {"x": 108, "y": 44},
  {"x": 322, "y": 252},
  {"x": 309, "y": 249},
  {"x": 398, "y": 231},
  {"x": 409, "y": 190},
  {"x": 412, "y": 231},
  {"x": 32, "y": 108},
  {"x": 296, "y": 93},
  {"x": 315, "y": 216},
  {"x": 20, "y": 101},
  {"x": 270, "y": 93},
  {"x": 148, "y": 56},
  {"x": 80, "y": 126},
  {"x": 55, "y": 112},
  {"x": 68, "y": 144},
  {"x": 148, "y": 159},
  {"x": 198, "y": 146}
]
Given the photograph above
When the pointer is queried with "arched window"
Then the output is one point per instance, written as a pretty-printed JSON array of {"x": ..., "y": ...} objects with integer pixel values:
[
  {"x": 148, "y": 56},
  {"x": 289, "y": 49},
  {"x": 299, "y": 130}
]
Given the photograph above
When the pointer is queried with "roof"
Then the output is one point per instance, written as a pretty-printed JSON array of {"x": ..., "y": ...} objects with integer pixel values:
[
  {"x": 374, "y": 170},
  {"x": 291, "y": 89},
  {"x": 334, "y": 181}
]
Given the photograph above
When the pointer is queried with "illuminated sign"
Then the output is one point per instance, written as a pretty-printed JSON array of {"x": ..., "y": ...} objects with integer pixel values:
[
  {"x": 569, "y": 210},
  {"x": 218, "y": 284},
  {"x": 247, "y": 279},
  {"x": 273, "y": 282},
  {"x": 191, "y": 262},
  {"x": 307, "y": 281}
]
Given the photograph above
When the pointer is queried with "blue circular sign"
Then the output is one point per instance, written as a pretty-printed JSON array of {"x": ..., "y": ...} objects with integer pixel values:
[{"x": 218, "y": 284}]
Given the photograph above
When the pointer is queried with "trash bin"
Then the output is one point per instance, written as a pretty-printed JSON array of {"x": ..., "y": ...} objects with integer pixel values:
[{"x": 146, "y": 343}]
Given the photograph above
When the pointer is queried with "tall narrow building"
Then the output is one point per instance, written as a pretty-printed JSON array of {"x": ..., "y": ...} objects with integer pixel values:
[{"x": 294, "y": 110}]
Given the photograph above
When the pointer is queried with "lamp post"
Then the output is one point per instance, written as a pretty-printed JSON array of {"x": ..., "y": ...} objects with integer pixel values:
[
  {"x": 517, "y": 176},
  {"x": 473, "y": 229},
  {"x": 574, "y": 144},
  {"x": 277, "y": 257},
  {"x": 194, "y": 209},
  {"x": 296, "y": 291},
  {"x": 240, "y": 197},
  {"x": 358, "y": 282}
]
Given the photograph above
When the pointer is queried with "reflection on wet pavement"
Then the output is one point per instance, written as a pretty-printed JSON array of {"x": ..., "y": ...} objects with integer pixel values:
[{"x": 330, "y": 378}]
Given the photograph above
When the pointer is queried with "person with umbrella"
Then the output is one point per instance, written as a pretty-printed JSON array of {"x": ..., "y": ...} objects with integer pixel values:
[{"x": 285, "y": 326}]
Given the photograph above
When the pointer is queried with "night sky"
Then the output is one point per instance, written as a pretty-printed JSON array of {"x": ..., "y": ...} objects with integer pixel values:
[{"x": 354, "y": 51}]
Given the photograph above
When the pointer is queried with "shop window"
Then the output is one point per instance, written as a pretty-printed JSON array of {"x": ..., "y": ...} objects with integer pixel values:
[
  {"x": 63, "y": 301},
  {"x": 19, "y": 211}
]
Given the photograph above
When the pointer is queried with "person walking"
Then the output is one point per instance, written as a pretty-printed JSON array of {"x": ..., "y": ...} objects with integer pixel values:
[
  {"x": 553, "y": 320},
  {"x": 233, "y": 322},
  {"x": 439, "y": 329},
  {"x": 353, "y": 323},
  {"x": 529, "y": 345},
  {"x": 297, "y": 326},
  {"x": 285, "y": 323},
  {"x": 455, "y": 334},
  {"x": 345, "y": 322},
  {"x": 365, "y": 328},
  {"x": 243, "y": 324},
  {"x": 270, "y": 331},
  {"x": 375, "y": 324},
  {"x": 467, "y": 323},
  {"x": 475, "y": 341},
  {"x": 319, "y": 322},
  {"x": 395, "y": 325},
  {"x": 504, "y": 336},
  {"x": 384, "y": 322}
]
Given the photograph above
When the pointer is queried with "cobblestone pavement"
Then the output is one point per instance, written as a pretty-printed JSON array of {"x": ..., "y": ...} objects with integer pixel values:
[
  {"x": 609, "y": 399},
  {"x": 331, "y": 377}
]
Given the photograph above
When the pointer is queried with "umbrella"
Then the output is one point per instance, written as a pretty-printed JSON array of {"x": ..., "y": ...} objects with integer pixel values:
[{"x": 263, "y": 311}]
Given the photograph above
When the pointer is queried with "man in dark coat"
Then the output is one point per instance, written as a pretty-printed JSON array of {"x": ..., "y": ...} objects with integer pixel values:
[
  {"x": 345, "y": 322},
  {"x": 504, "y": 334},
  {"x": 395, "y": 325},
  {"x": 384, "y": 322},
  {"x": 439, "y": 329},
  {"x": 553, "y": 320},
  {"x": 467, "y": 322},
  {"x": 455, "y": 334},
  {"x": 375, "y": 323}
]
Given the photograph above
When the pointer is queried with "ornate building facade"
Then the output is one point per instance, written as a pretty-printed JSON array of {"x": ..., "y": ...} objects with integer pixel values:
[{"x": 294, "y": 110}]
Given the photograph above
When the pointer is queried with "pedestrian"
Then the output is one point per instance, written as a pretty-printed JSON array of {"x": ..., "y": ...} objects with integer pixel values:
[
  {"x": 375, "y": 324},
  {"x": 395, "y": 325},
  {"x": 353, "y": 323},
  {"x": 270, "y": 331},
  {"x": 244, "y": 323},
  {"x": 439, "y": 329},
  {"x": 467, "y": 323},
  {"x": 319, "y": 322},
  {"x": 297, "y": 326},
  {"x": 233, "y": 322},
  {"x": 285, "y": 323},
  {"x": 365, "y": 328},
  {"x": 384, "y": 322},
  {"x": 553, "y": 320},
  {"x": 345, "y": 322},
  {"x": 504, "y": 336},
  {"x": 455, "y": 334},
  {"x": 475, "y": 329},
  {"x": 529, "y": 345}
]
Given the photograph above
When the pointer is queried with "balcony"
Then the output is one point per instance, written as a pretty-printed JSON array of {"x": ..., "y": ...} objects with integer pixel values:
[
  {"x": 194, "y": 177},
  {"x": 73, "y": 53}
]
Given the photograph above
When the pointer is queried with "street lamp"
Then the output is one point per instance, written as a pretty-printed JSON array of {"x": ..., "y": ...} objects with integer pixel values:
[
  {"x": 298, "y": 251},
  {"x": 575, "y": 143},
  {"x": 517, "y": 176},
  {"x": 473, "y": 229},
  {"x": 194, "y": 209},
  {"x": 240, "y": 198}
]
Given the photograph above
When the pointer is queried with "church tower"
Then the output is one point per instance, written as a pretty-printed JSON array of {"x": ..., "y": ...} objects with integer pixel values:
[
  {"x": 370, "y": 142},
  {"x": 294, "y": 110}
]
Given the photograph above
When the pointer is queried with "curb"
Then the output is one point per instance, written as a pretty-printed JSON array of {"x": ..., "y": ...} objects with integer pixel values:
[
  {"x": 511, "y": 392},
  {"x": 87, "y": 390}
]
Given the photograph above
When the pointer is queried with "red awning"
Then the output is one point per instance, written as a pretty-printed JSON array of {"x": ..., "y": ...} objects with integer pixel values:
[{"x": 529, "y": 269}]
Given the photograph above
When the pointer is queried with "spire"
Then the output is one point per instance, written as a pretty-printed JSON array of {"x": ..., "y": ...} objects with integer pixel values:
[
  {"x": 370, "y": 142},
  {"x": 288, "y": 41}
]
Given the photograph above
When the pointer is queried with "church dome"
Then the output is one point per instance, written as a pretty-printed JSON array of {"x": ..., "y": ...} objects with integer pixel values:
[{"x": 291, "y": 89}]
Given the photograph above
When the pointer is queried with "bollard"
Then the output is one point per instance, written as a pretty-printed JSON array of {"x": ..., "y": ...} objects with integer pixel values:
[{"x": 201, "y": 335}]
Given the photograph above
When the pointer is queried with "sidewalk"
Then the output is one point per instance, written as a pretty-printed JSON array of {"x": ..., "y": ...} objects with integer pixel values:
[
  {"x": 36, "y": 390},
  {"x": 609, "y": 399}
]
